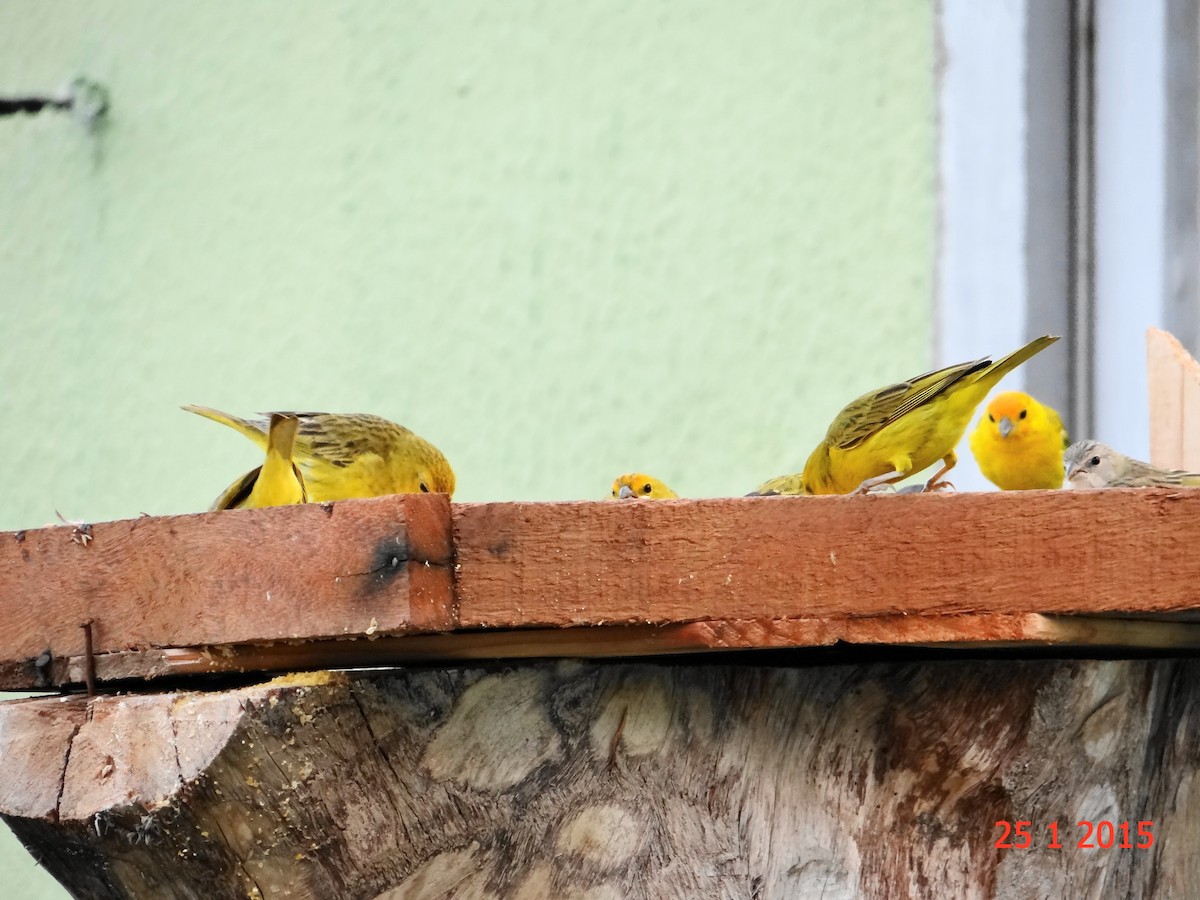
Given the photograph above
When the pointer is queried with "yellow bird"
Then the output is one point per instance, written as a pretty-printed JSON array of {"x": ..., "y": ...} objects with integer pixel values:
[
  {"x": 277, "y": 482},
  {"x": 896, "y": 431},
  {"x": 1019, "y": 444},
  {"x": 353, "y": 455},
  {"x": 1091, "y": 464},
  {"x": 635, "y": 484}
]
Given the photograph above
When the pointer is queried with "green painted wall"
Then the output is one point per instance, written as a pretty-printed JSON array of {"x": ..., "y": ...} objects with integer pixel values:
[{"x": 561, "y": 241}]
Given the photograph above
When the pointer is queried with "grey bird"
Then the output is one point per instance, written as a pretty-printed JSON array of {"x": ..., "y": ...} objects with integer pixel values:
[{"x": 1091, "y": 464}]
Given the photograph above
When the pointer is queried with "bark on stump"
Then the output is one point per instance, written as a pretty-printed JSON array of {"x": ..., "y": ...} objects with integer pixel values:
[{"x": 620, "y": 780}]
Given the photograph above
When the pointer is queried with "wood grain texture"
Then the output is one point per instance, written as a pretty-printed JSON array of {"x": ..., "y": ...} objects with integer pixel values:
[
  {"x": 827, "y": 557},
  {"x": 238, "y": 586},
  {"x": 240, "y": 575},
  {"x": 1174, "y": 402},
  {"x": 963, "y": 632},
  {"x": 622, "y": 781}
]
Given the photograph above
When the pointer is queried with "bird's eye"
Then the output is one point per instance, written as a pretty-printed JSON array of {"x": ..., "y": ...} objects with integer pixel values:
[
  {"x": 991, "y": 418},
  {"x": 1023, "y": 413},
  {"x": 424, "y": 488},
  {"x": 1094, "y": 461},
  {"x": 646, "y": 489}
]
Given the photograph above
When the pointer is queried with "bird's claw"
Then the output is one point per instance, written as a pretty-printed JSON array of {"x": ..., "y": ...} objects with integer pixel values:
[
  {"x": 883, "y": 487},
  {"x": 939, "y": 486}
]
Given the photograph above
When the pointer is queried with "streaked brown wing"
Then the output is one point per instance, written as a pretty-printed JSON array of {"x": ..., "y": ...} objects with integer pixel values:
[
  {"x": 341, "y": 439},
  {"x": 1144, "y": 474},
  {"x": 872, "y": 412}
]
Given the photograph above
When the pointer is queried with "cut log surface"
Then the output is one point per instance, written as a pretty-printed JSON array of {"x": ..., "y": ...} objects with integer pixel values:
[
  {"x": 232, "y": 587},
  {"x": 618, "y": 780}
]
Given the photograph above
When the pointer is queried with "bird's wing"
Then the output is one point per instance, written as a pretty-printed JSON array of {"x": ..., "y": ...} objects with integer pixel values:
[
  {"x": 1181, "y": 477},
  {"x": 300, "y": 480},
  {"x": 872, "y": 412},
  {"x": 341, "y": 439},
  {"x": 238, "y": 492},
  {"x": 1140, "y": 474},
  {"x": 1056, "y": 422}
]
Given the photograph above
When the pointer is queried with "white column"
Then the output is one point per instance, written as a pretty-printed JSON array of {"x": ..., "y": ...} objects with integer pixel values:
[{"x": 1131, "y": 38}]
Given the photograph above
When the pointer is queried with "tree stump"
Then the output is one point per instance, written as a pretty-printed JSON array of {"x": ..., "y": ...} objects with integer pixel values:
[{"x": 594, "y": 780}]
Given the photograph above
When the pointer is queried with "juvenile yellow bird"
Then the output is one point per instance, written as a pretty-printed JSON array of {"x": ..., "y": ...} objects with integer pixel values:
[
  {"x": 277, "y": 482},
  {"x": 637, "y": 485},
  {"x": 1019, "y": 444},
  {"x": 353, "y": 455},
  {"x": 886, "y": 435},
  {"x": 1091, "y": 464}
]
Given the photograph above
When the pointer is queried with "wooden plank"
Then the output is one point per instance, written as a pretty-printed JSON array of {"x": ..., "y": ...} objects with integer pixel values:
[
  {"x": 628, "y": 780},
  {"x": 957, "y": 632},
  {"x": 962, "y": 632},
  {"x": 226, "y": 584},
  {"x": 1174, "y": 402},
  {"x": 318, "y": 570},
  {"x": 1190, "y": 436},
  {"x": 827, "y": 557},
  {"x": 596, "y": 641}
]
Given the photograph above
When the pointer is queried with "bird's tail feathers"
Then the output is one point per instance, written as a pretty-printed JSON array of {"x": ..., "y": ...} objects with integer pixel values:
[
  {"x": 1141, "y": 473},
  {"x": 281, "y": 435},
  {"x": 1004, "y": 365},
  {"x": 243, "y": 426}
]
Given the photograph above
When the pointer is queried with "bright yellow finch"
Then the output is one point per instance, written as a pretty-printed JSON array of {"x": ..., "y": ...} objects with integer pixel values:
[
  {"x": 1091, "y": 464},
  {"x": 635, "y": 484},
  {"x": 1019, "y": 444},
  {"x": 353, "y": 455},
  {"x": 277, "y": 482},
  {"x": 888, "y": 434}
]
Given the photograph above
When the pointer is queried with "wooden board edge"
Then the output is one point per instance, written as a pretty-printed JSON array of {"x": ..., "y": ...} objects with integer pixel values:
[{"x": 956, "y": 632}]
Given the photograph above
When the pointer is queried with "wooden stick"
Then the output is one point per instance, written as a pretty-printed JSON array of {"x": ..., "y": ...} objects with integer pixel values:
[{"x": 89, "y": 659}]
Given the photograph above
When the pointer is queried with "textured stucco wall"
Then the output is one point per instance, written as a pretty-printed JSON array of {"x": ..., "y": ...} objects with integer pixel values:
[{"x": 559, "y": 240}]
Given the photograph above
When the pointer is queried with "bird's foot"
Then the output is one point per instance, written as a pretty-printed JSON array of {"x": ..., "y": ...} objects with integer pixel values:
[
  {"x": 884, "y": 483},
  {"x": 938, "y": 486},
  {"x": 885, "y": 488}
]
